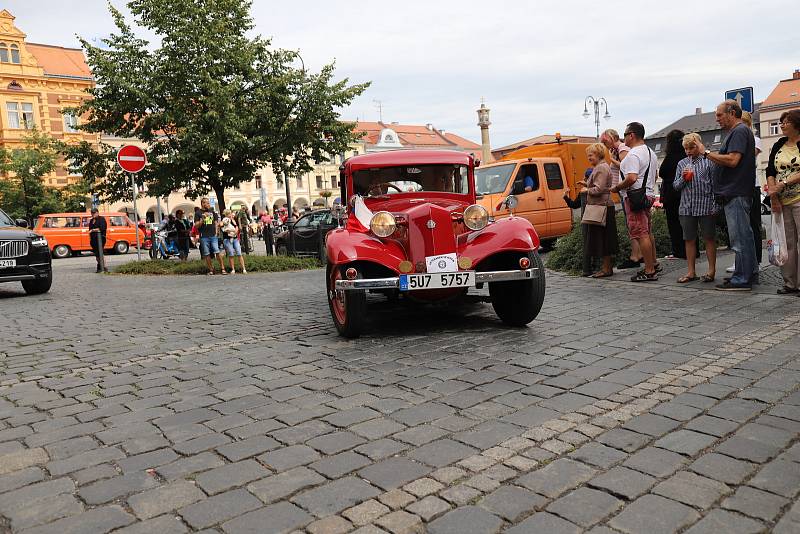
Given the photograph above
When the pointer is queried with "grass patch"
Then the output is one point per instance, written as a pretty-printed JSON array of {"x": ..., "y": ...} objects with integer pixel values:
[{"x": 255, "y": 264}]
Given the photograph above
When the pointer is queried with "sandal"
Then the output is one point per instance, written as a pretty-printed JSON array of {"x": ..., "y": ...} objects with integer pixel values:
[
  {"x": 602, "y": 274},
  {"x": 786, "y": 290},
  {"x": 210, "y": 273},
  {"x": 644, "y": 277},
  {"x": 707, "y": 278},
  {"x": 687, "y": 278}
]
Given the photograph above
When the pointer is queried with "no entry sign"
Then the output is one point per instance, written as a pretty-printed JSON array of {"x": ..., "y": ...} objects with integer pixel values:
[{"x": 131, "y": 158}]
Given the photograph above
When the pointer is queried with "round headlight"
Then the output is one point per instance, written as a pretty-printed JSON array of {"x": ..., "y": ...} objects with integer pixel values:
[
  {"x": 476, "y": 217},
  {"x": 382, "y": 224}
]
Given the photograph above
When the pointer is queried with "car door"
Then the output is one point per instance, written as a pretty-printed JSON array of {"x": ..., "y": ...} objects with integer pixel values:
[
  {"x": 559, "y": 215},
  {"x": 86, "y": 243},
  {"x": 532, "y": 205},
  {"x": 304, "y": 232}
]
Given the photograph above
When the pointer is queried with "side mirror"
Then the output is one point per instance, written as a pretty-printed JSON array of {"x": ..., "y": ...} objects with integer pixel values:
[
  {"x": 22, "y": 223},
  {"x": 510, "y": 203}
]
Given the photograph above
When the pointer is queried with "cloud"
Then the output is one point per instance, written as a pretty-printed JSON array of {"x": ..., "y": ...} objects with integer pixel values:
[{"x": 533, "y": 62}]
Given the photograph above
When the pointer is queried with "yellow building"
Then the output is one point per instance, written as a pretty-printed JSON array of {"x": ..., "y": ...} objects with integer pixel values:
[{"x": 37, "y": 83}]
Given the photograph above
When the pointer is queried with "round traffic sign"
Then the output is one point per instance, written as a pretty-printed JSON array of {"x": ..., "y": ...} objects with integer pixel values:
[{"x": 131, "y": 158}]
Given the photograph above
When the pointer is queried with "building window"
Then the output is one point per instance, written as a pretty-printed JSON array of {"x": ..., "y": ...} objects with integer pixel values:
[
  {"x": 70, "y": 123},
  {"x": 320, "y": 185},
  {"x": 14, "y": 54},
  {"x": 658, "y": 147},
  {"x": 355, "y": 152},
  {"x": 20, "y": 115},
  {"x": 334, "y": 185},
  {"x": 299, "y": 182},
  {"x": 4, "y": 52},
  {"x": 717, "y": 138},
  {"x": 774, "y": 128},
  {"x": 258, "y": 182}
]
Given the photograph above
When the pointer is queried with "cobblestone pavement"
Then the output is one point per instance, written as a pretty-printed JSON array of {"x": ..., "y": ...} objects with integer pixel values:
[{"x": 228, "y": 404}]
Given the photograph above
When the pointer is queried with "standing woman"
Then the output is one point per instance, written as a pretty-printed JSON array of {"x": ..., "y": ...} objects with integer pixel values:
[
  {"x": 783, "y": 178},
  {"x": 670, "y": 197},
  {"x": 602, "y": 240}
]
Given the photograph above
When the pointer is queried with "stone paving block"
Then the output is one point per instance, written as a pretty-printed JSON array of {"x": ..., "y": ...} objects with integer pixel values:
[
  {"x": 422, "y": 487},
  {"x": 656, "y": 462},
  {"x": 598, "y": 455},
  {"x": 654, "y": 515},
  {"x": 70, "y": 447},
  {"x": 713, "y": 426},
  {"x": 20, "y": 478},
  {"x": 335, "y": 442},
  {"x": 42, "y": 512},
  {"x": 755, "y": 503},
  {"x": 447, "y": 475},
  {"x": 377, "y": 428},
  {"x": 282, "y": 485},
  {"x": 381, "y": 449},
  {"x": 340, "y": 464},
  {"x": 676, "y": 411},
  {"x": 512, "y": 502},
  {"x": 333, "y": 497},
  {"x": 739, "y": 410},
  {"x": 230, "y": 476},
  {"x": 767, "y": 434},
  {"x": 114, "y": 488},
  {"x": 279, "y": 517},
  {"x": 460, "y": 494},
  {"x": 393, "y": 473},
  {"x": 289, "y": 457},
  {"x": 692, "y": 490},
  {"x": 718, "y": 521},
  {"x": 685, "y": 442},
  {"x": 429, "y": 508},
  {"x": 330, "y": 525},
  {"x": 557, "y": 477},
  {"x": 466, "y": 519},
  {"x": 790, "y": 522},
  {"x": 352, "y": 416},
  {"x": 747, "y": 449},
  {"x": 623, "y": 482},
  {"x": 366, "y": 512},
  {"x": 585, "y": 507},
  {"x": 21, "y": 459},
  {"x": 202, "y": 443},
  {"x": 189, "y": 465},
  {"x": 219, "y": 508},
  {"x": 93, "y": 474},
  {"x": 247, "y": 448},
  {"x": 423, "y": 413},
  {"x": 531, "y": 416},
  {"x": 651, "y": 425},
  {"x": 165, "y": 524},
  {"x": 166, "y": 498},
  {"x": 567, "y": 402},
  {"x": 420, "y": 435},
  {"x": 487, "y": 434},
  {"x": 722, "y": 468},
  {"x": 545, "y": 522},
  {"x": 143, "y": 461},
  {"x": 396, "y": 499},
  {"x": 441, "y": 453},
  {"x": 779, "y": 477},
  {"x": 624, "y": 440},
  {"x": 97, "y": 520}
]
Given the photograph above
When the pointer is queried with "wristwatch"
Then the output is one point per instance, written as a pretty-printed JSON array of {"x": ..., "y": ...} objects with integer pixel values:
[{"x": 706, "y": 153}]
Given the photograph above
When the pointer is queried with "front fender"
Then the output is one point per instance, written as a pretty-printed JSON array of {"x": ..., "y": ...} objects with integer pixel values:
[
  {"x": 513, "y": 233},
  {"x": 345, "y": 246}
]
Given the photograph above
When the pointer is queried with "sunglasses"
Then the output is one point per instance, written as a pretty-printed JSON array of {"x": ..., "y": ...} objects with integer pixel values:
[{"x": 626, "y": 134}]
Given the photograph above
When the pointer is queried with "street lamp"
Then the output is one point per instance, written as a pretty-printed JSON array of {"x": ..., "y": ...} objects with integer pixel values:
[{"x": 596, "y": 102}]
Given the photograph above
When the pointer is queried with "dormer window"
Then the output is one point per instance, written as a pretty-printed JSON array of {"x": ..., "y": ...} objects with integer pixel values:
[
  {"x": 9, "y": 55},
  {"x": 4, "y": 53},
  {"x": 14, "y": 54},
  {"x": 14, "y": 86}
]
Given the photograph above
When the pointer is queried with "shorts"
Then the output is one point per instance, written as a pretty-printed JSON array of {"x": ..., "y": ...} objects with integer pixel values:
[
  {"x": 707, "y": 224},
  {"x": 232, "y": 246},
  {"x": 209, "y": 246},
  {"x": 639, "y": 222}
]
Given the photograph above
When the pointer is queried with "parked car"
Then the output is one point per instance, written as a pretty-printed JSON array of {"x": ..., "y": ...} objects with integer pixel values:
[
  {"x": 543, "y": 205},
  {"x": 413, "y": 230},
  {"x": 307, "y": 231},
  {"x": 24, "y": 256},
  {"x": 68, "y": 233}
]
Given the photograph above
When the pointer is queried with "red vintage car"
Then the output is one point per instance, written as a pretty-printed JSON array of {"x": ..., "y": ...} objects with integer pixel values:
[{"x": 414, "y": 230}]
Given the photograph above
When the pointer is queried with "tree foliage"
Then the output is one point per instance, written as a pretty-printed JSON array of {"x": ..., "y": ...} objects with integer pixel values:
[{"x": 212, "y": 104}]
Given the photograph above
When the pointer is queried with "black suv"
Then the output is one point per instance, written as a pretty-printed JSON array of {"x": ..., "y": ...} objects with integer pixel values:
[
  {"x": 24, "y": 256},
  {"x": 307, "y": 231}
]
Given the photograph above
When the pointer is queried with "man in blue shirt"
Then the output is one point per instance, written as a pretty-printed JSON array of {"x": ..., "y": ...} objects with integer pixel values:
[
  {"x": 734, "y": 189},
  {"x": 528, "y": 184}
]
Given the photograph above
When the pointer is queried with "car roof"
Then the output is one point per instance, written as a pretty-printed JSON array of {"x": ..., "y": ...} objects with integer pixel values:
[
  {"x": 83, "y": 213},
  {"x": 396, "y": 158}
]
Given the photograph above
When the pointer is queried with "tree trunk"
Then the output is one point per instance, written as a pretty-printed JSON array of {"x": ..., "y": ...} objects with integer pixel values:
[{"x": 219, "y": 190}]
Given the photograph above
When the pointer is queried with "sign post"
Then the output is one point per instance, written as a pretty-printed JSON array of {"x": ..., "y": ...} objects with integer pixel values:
[
  {"x": 743, "y": 95},
  {"x": 133, "y": 159}
]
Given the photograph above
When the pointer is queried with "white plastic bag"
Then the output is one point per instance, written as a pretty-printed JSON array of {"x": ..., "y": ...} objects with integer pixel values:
[{"x": 776, "y": 246}]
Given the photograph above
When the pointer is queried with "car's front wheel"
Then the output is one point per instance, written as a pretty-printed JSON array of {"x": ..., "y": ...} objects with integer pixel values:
[
  {"x": 121, "y": 247},
  {"x": 61, "y": 251},
  {"x": 281, "y": 250},
  {"x": 518, "y": 303},
  {"x": 347, "y": 307},
  {"x": 39, "y": 286}
]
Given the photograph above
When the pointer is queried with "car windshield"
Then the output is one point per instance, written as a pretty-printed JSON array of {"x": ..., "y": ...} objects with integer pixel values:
[
  {"x": 411, "y": 179},
  {"x": 5, "y": 220},
  {"x": 489, "y": 180}
]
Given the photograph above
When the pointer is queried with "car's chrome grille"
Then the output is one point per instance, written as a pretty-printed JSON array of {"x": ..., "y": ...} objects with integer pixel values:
[{"x": 13, "y": 249}]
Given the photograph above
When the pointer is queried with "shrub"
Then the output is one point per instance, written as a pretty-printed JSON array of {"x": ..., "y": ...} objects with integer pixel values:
[{"x": 253, "y": 263}]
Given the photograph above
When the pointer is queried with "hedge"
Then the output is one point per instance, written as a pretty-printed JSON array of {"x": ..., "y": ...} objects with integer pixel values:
[
  {"x": 255, "y": 264},
  {"x": 567, "y": 256}
]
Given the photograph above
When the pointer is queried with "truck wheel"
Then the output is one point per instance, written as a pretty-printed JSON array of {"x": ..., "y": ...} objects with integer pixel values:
[
  {"x": 37, "y": 287},
  {"x": 347, "y": 307},
  {"x": 121, "y": 247},
  {"x": 518, "y": 303},
  {"x": 61, "y": 251}
]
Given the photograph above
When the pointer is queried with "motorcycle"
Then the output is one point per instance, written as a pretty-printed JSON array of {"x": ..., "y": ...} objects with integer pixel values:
[{"x": 163, "y": 246}]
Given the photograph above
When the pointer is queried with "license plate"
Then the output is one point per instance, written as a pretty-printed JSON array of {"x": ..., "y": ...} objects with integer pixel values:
[
  {"x": 6, "y": 264},
  {"x": 412, "y": 282}
]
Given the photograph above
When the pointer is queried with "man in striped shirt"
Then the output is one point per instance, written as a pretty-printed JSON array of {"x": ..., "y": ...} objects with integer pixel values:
[{"x": 694, "y": 181}]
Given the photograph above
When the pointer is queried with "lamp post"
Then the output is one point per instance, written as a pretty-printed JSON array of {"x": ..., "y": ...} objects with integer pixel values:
[{"x": 596, "y": 102}]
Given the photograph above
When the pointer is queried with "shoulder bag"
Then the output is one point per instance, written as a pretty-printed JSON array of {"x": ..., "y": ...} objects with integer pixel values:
[
  {"x": 638, "y": 197},
  {"x": 594, "y": 214}
]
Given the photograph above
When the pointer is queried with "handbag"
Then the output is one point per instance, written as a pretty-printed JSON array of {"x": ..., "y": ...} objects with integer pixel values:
[
  {"x": 638, "y": 198},
  {"x": 594, "y": 214}
]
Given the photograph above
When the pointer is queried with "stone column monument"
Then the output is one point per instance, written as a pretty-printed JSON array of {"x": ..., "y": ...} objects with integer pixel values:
[{"x": 484, "y": 123}]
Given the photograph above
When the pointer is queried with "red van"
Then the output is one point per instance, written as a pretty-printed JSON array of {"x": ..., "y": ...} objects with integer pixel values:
[{"x": 68, "y": 233}]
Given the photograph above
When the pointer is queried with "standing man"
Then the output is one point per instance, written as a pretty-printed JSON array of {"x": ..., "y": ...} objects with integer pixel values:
[
  {"x": 207, "y": 224},
  {"x": 617, "y": 151},
  {"x": 733, "y": 188},
  {"x": 639, "y": 168},
  {"x": 243, "y": 220},
  {"x": 97, "y": 238}
]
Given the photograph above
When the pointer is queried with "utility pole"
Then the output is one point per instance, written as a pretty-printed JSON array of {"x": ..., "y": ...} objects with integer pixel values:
[{"x": 379, "y": 106}]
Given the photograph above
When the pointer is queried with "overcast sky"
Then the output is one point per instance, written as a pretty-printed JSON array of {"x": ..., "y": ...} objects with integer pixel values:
[{"x": 533, "y": 62}]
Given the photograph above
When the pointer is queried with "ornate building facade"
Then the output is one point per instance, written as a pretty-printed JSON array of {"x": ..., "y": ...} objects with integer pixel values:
[{"x": 38, "y": 83}]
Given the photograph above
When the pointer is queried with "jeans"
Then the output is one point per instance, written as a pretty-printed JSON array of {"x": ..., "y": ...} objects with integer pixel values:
[
  {"x": 209, "y": 246},
  {"x": 737, "y": 215},
  {"x": 232, "y": 246}
]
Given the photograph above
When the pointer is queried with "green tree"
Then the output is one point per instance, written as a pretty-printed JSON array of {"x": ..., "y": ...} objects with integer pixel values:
[
  {"x": 23, "y": 193},
  {"x": 213, "y": 104}
]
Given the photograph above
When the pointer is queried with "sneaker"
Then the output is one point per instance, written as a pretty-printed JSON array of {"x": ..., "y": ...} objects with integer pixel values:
[
  {"x": 670, "y": 257},
  {"x": 730, "y": 269},
  {"x": 728, "y": 286},
  {"x": 244, "y": 271}
]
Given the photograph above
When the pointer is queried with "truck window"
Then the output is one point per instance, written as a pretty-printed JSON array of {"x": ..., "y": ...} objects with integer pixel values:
[
  {"x": 118, "y": 220},
  {"x": 527, "y": 177},
  {"x": 553, "y": 173},
  {"x": 490, "y": 180}
]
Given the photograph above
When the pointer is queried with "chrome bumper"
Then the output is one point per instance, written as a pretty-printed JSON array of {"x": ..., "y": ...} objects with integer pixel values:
[{"x": 480, "y": 277}]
